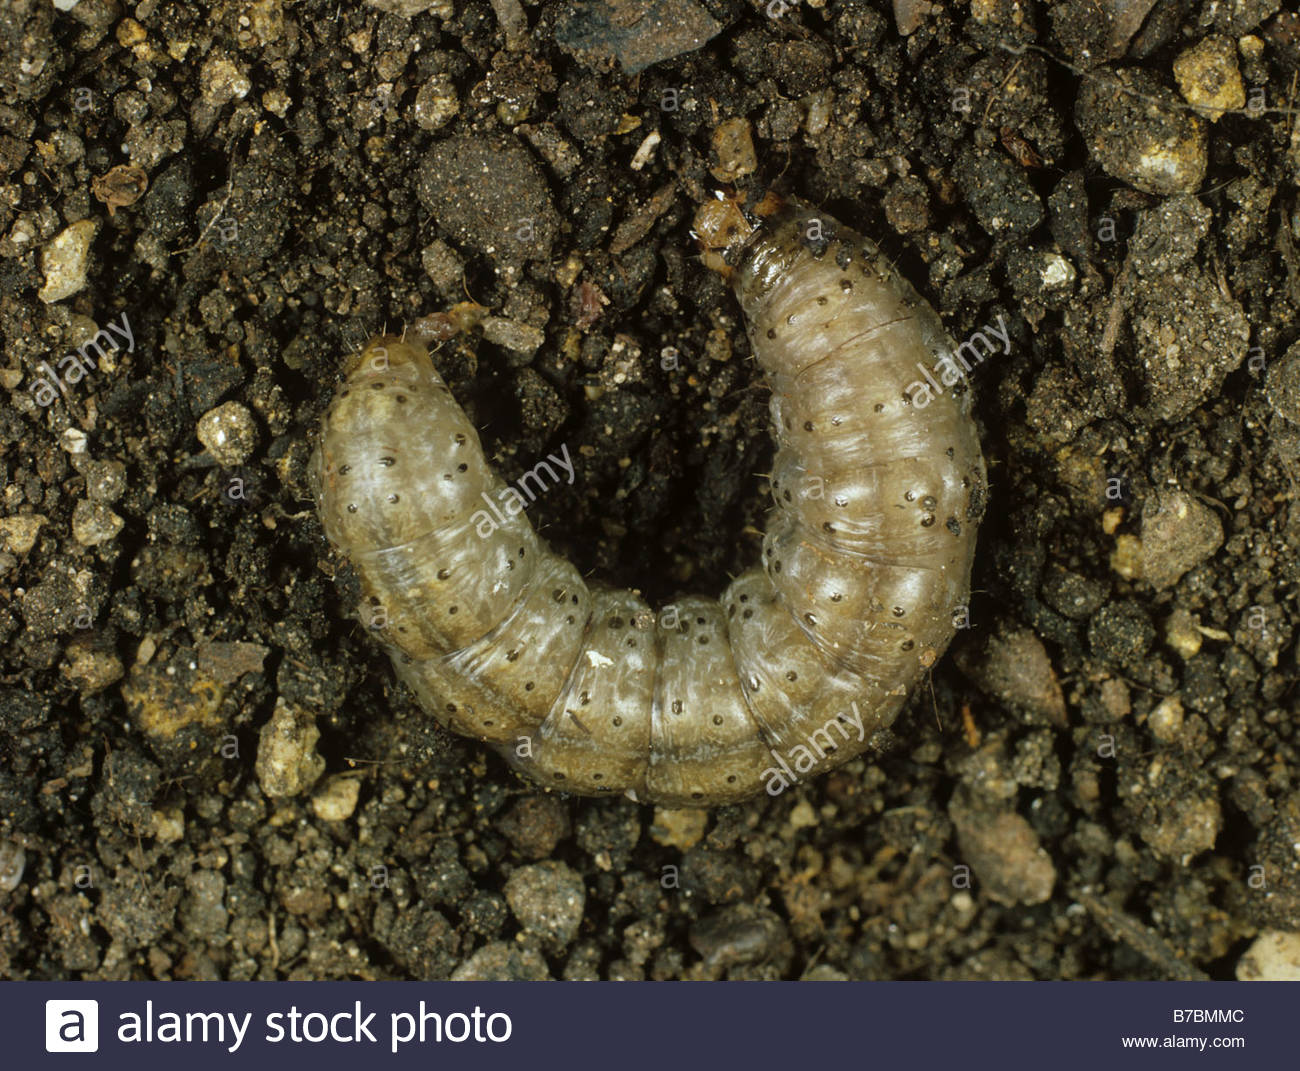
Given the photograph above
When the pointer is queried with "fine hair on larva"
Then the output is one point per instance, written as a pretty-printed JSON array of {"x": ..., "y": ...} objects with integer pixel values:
[{"x": 584, "y": 688}]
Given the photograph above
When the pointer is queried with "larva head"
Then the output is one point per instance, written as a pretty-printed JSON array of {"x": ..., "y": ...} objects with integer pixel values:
[
  {"x": 386, "y": 355},
  {"x": 724, "y": 226}
]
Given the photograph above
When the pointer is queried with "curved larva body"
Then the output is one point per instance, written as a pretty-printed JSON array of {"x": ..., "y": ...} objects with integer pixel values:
[{"x": 879, "y": 484}]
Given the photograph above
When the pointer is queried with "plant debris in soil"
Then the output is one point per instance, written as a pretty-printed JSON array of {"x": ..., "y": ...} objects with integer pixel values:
[{"x": 207, "y": 769}]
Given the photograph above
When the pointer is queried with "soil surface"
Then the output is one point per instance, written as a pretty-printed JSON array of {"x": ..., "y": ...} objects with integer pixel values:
[{"x": 207, "y": 769}]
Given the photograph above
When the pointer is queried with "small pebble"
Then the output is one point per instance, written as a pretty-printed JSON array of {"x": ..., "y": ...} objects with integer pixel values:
[
  {"x": 94, "y": 523},
  {"x": 1014, "y": 667},
  {"x": 18, "y": 533},
  {"x": 13, "y": 860},
  {"x": 436, "y": 104},
  {"x": 535, "y": 825},
  {"x": 64, "y": 260},
  {"x": 733, "y": 143},
  {"x": 679, "y": 827},
  {"x": 548, "y": 900},
  {"x": 512, "y": 335},
  {"x": 1182, "y": 635},
  {"x": 500, "y": 962},
  {"x": 1273, "y": 956},
  {"x": 1209, "y": 78},
  {"x": 1179, "y": 532},
  {"x": 1004, "y": 852},
  {"x": 802, "y": 815},
  {"x": 1139, "y": 133},
  {"x": 90, "y": 668},
  {"x": 1182, "y": 827},
  {"x": 229, "y": 433},
  {"x": 168, "y": 825},
  {"x": 221, "y": 81},
  {"x": 1166, "y": 720},
  {"x": 638, "y": 33},
  {"x": 105, "y": 480},
  {"x": 336, "y": 799},
  {"x": 1282, "y": 387},
  {"x": 287, "y": 763},
  {"x": 443, "y": 265}
]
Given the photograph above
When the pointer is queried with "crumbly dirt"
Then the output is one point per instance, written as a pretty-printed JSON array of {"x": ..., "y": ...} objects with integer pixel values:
[{"x": 206, "y": 767}]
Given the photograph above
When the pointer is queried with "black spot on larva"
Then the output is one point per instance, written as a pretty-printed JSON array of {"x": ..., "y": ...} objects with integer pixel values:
[
  {"x": 807, "y": 425},
  {"x": 703, "y": 641},
  {"x": 899, "y": 611},
  {"x": 953, "y": 525},
  {"x": 822, "y": 299},
  {"x": 949, "y": 452},
  {"x": 451, "y": 708},
  {"x": 841, "y": 500},
  {"x": 558, "y": 776},
  {"x": 827, "y": 526},
  {"x": 879, "y": 407},
  {"x": 460, "y": 439},
  {"x": 528, "y": 686},
  {"x": 388, "y": 462},
  {"x": 462, "y": 467},
  {"x": 791, "y": 675},
  {"x": 747, "y": 614},
  {"x": 744, "y": 598},
  {"x": 377, "y": 386},
  {"x": 771, "y": 332},
  {"x": 731, "y": 779},
  {"x": 927, "y": 521},
  {"x": 394, "y": 497},
  {"x": 717, "y": 719},
  {"x": 352, "y": 507},
  {"x": 401, "y": 399},
  {"x": 512, "y": 656},
  {"x": 846, "y": 285},
  {"x": 677, "y": 706},
  {"x": 345, "y": 393},
  {"x": 453, "y": 609},
  {"x": 910, "y": 496},
  {"x": 558, "y": 594},
  {"x": 697, "y": 795},
  {"x": 812, "y": 621},
  {"x": 907, "y": 645},
  {"x": 776, "y": 566},
  {"x": 617, "y": 721},
  {"x": 837, "y": 596},
  {"x": 344, "y": 469},
  {"x": 929, "y": 502}
]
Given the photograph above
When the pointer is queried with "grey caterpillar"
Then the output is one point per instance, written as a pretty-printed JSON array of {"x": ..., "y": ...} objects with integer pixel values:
[{"x": 879, "y": 486}]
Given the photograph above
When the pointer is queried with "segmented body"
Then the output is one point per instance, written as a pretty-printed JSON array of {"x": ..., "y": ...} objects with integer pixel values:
[{"x": 879, "y": 485}]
